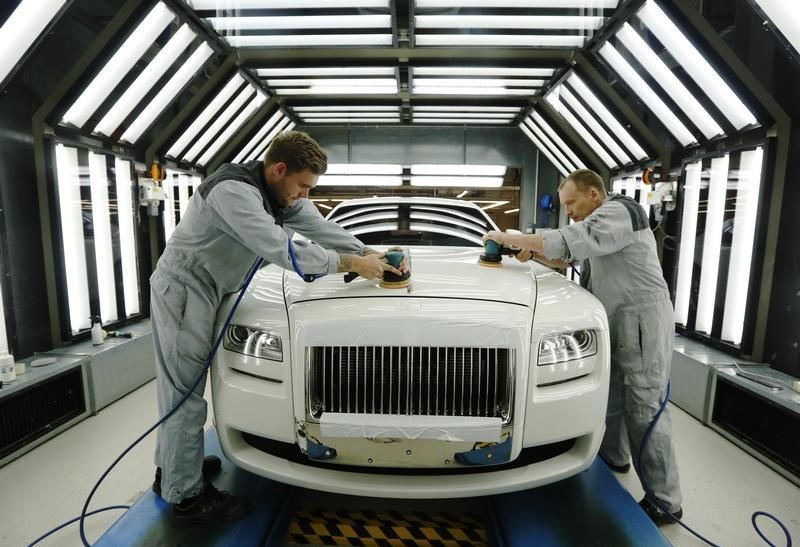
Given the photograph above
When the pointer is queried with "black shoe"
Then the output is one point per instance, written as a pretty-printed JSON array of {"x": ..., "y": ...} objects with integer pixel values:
[
  {"x": 211, "y": 466},
  {"x": 209, "y": 506},
  {"x": 658, "y": 516},
  {"x": 624, "y": 468}
]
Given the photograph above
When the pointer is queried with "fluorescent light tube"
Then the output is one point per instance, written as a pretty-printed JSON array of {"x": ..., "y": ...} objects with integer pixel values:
[
  {"x": 484, "y": 91},
  {"x": 72, "y": 236},
  {"x": 364, "y": 169},
  {"x": 333, "y": 82},
  {"x": 715, "y": 213},
  {"x": 511, "y": 211},
  {"x": 354, "y": 120},
  {"x": 481, "y": 71},
  {"x": 258, "y": 151},
  {"x": 595, "y": 126},
  {"x": 691, "y": 203},
  {"x": 505, "y": 109},
  {"x": 231, "y": 128},
  {"x": 476, "y": 82},
  {"x": 205, "y": 116},
  {"x": 119, "y": 65},
  {"x": 572, "y": 22},
  {"x": 310, "y": 40},
  {"x": 460, "y": 121},
  {"x": 600, "y": 109},
  {"x": 145, "y": 81},
  {"x": 19, "y": 32},
  {"x": 359, "y": 180},
  {"x": 169, "y": 204},
  {"x": 669, "y": 82},
  {"x": 462, "y": 182},
  {"x": 782, "y": 14},
  {"x": 310, "y": 116},
  {"x": 221, "y": 121},
  {"x": 744, "y": 231},
  {"x": 696, "y": 65},
  {"x": 289, "y": 127},
  {"x": 529, "y": 4},
  {"x": 583, "y": 133},
  {"x": 540, "y": 121},
  {"x": 170, "y": 90},
  {"x": 328, "y": 109},
  {"x": 543, "y": 149},
  {"x": 327, "y": 71},
  {"x": 648, "y": 96},
  {"x": 328, "y": 207},
  {"x": 542, "y": 138},
  {"x": 643, "y": 189},
  {"x": 342, "y": 90},
  {"x": 285, "y": 4},
  {"x": 500, "y": 116},
  {"x": 183, "y": 194},
  {"x": 511, "y": 40},
  {"x": 454, "y": 169},
  {"x": 300, "y": 22},
  {"x": 101, "y": 226},
  {"x": 127, "y": 237},
  {"x": 257, "y": 137},
  {"x": 3, "y": 332}
]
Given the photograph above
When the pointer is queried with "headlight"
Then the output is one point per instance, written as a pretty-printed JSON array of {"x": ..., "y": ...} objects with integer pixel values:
[
  {"x": 558, "y": 348},
  {"x": 258, "y": 343}
]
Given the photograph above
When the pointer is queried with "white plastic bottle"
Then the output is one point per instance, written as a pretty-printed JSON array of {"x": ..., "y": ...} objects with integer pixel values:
[
  {"x": 97, "y": 332},
  {"x": 8, "y": 373}
]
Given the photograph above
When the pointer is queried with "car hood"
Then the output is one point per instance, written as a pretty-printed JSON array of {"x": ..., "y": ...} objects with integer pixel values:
[{"x": 436, "y": 272}]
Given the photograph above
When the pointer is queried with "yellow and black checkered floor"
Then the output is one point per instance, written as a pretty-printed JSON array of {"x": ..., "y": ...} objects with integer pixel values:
[{"x": 323, "y": 527}]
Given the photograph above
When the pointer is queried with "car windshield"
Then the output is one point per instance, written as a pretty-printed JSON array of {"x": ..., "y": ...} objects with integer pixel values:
[{"x": 398, "y": 223}]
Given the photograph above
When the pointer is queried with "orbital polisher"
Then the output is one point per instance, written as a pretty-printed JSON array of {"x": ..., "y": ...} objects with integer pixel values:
[
  {"x": 492, "y": 256},
  {"x": 390, "y": 280}
]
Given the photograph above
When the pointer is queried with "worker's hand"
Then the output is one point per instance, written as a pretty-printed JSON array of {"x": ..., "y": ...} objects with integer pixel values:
[
  {"x": 524, "y": 255},
  {"x": 371, "y": 266},
  {"x": 403, "y": 263},
  {"x": 496, "y": 236}
]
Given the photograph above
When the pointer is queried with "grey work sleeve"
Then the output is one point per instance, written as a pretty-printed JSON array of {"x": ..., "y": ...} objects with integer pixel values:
[
  {"x": 304, "y": 218},
  {"x": 607, "y": 230},
  {"x": 240, "y": 213}
]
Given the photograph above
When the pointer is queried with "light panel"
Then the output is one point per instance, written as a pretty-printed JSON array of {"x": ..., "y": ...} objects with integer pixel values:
[
  {"x": 695, "y": 65},
  {"x": 712, "y": 241},
  {"x": 285, "y": 4},
  {"x": 498, "y": 109},
  {"x": 544, "y": 144},
  {"x": 170, "y": 90},
  {"x": 221, "y": 121},
  {"x": 299, "y": 22},
  {"x": 270, "y": 123},
  {"x": 630, "y": 187},
  {"x": 477, "y": 82},
  {"x": 364, "y": 169},
  {"x": 145, "y": 81},
  {"x": 310, "y": 40},
  {"x": 466, "y": 121},
  {"x": 455, "y": 181},
  {"x": 127, "y": 237},
  {"x": 482, "y": 71},
  {"x": 691, "y": 203},
  {"x": 259, "y": 150},
  {"x": 205, "y": 116},
  {"x": 20, "y": 30},
  {"x": 327, "y": 71},
  {"x": 481, "y": 91},
  {"x": 510, "y": 40},
  {"x": 119, "y": 65},
  {"x": 311, "y": 116},
  {"x": 549, "y": 155},
  {"x": 782, "y": 14},
  {"x": 183, "y": 194},
  {"x": 669, "y": 82},
  {"x": 101, "y": 226},
  {"x": 589, "y": 119},
  {"x": 354, "y": 120},
  {"x": 359, "y": 180},
  {"x": 744, "y": 230},
  {"x": 584, "y": 133},
  {"x": 648, "y": 96},
  {"x": 72, "y": 237},
  {"x": 550, "y": 22},
  {"x": 332, "y": 82},
  {"x": 541, "y": 122},
  {"x": 338, "y": 90},
  {"x": 461, "y": 170},
  {"x": 3, "y": 332},
  {"x": 169, "y": 203},
  {"x": 231, "y": 128},
  {"x": 600, "y": 109},
  {"x": 529, "y": 4},
  {"x": 376, "y": 108}
]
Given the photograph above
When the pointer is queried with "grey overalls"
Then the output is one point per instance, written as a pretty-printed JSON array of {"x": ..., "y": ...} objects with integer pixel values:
[
  {"x": 626, "y": 277},
  {"x": 231, "y": 219}
]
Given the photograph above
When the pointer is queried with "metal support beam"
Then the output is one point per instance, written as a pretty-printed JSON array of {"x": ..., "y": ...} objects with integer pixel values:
[{"x": 240, "y": 135}]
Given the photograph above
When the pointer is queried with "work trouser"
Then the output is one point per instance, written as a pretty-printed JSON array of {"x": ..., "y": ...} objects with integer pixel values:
[
  {"x": 642, "y": 333},
  {"x": 182, "y": 321}
]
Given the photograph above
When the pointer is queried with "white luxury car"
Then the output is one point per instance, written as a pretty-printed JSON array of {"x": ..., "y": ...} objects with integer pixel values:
[{"x": 470, "y": 381}]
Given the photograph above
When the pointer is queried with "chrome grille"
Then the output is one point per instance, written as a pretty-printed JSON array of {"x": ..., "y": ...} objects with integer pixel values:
[{"x": 414, "y": 380}]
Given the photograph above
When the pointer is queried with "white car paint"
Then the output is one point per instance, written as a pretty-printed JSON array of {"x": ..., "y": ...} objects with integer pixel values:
[{"x": 452, "y": 302}]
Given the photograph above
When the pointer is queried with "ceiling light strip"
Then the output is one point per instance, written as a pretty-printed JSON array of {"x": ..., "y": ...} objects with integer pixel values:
[
  {"x": 200, "y": 143},
  {"x": 549, "y": 144},
  {"x": 610, "y": 120},
  {"x": 303, "y": 109},
  {"x": 543, "y": 149},
  {"x": 465, "y": 170},
  {"x": 511, "y": 40},
  {"x": 583, "y": 132},
  {"x": 550, "y": 22},
  {"x": 481, "y": 71},
  {"x": 360, "y": 180},
  {"x": 327, "y": 71},
  {"x": 364, "y": 169},
  {"x": 258, "y": 152},
  {"x": 271, "y": 122},
  {"x": 219, "y": 5},
  {"x": 511, "y": 109},
  {"x": 528, "y": 4},
  {"x": 540, "y": 121},
  {"x": 595, "y": 126},
  {"x": 119, "y": 65},
  {"x": 310, "y": 40},
  {"x": 648, "y": 96},
  {"x": 691, "y": 200},
  {"x": 456, "y": 181},
  {"x": 232, "y": 127},
  {"x": 480, "y": 91},
  {"x": 467, "y": 121},
  {"x": 300, "y": 22},
  {"x": 170, "y": 90}
]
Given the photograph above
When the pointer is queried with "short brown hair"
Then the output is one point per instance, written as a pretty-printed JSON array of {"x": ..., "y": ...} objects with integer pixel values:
[
  {"x": 585, "y": 179},
  {"x": 298, "y": 151}
]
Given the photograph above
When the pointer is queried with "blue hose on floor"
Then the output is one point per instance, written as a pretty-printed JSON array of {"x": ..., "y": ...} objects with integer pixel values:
[
  {"x": 84, "y": 511},
  {"x": 652, "y": 498}
]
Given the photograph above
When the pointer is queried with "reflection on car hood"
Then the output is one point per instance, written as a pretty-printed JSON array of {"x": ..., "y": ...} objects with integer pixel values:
[{"x": 436, "y": 272}]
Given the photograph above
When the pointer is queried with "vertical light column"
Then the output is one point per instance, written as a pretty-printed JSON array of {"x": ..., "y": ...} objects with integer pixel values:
[
  {"x": 691, "y": 201},
  {"x": 183, "y": 194},
  {"x": 3, "y": 333},
  {"x": 101, "y": 224},
  {"x": 744, "y": 231},
  {"x": 630, "y": 187},
  {"x": 617, "y": 185},
  {"x": 643, "y": 189},
  {"x": 169, "y": 205},
  {"x": 715, "y": 214},
  {"x": 69, "y": 203},
  {"x": 127, "y": 239}
]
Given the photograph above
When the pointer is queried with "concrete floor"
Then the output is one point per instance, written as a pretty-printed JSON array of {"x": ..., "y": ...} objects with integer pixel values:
[{"x": 722, "y": 485}]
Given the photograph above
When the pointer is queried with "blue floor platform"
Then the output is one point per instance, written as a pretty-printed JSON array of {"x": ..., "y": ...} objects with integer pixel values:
[{"x": 591, "y": 508}]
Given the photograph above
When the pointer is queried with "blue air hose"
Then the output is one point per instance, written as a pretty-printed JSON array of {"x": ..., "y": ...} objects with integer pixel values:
[{"x": 650, "y": 497}]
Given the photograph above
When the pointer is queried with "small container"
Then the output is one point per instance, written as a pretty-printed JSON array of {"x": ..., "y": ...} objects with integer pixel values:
[
  {"x": 97, "y": 332},
  {"x": 8, "y": 372},
  {"x": 20, "y": 368}
]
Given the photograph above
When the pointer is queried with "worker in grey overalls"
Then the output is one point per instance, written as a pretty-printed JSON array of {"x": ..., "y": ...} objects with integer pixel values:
[
  {"x": 237, "y": 214},
  {"x": 612, "y": 239}
]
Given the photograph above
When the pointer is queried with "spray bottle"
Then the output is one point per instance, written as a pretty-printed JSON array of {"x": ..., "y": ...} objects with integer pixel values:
[{"x": 97, "y": 331}]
